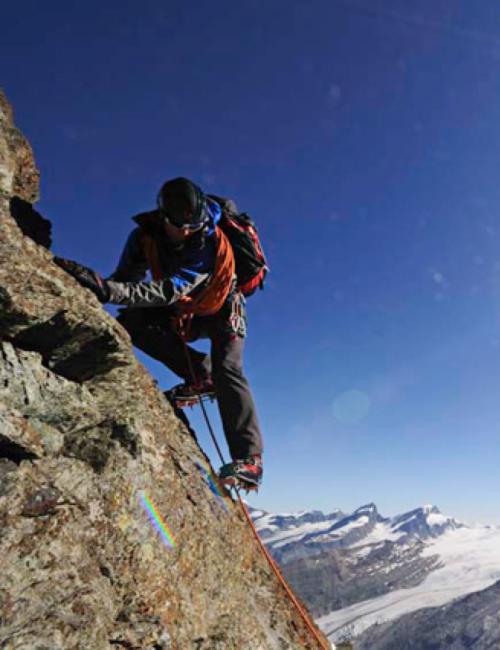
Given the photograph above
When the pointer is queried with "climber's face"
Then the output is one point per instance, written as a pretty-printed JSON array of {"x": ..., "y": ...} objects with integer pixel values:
[{"x": 178, "y": 234}]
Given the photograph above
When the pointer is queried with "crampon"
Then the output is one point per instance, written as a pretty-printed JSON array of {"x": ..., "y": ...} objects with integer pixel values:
[
  {"x": 237, "y": 484},
  {"x": 242, "y": 474},
  {"x": 184, "y": 395}
]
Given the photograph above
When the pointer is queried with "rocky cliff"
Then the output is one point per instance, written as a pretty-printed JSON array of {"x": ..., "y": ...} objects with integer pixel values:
[{"x": 111, "y": 532}]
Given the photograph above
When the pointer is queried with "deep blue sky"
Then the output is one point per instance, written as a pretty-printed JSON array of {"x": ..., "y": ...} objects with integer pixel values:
[{"x": 364, "y": 138}]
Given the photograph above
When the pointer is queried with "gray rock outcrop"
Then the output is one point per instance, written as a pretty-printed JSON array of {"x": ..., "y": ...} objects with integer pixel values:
[{"x": 87, "y": 442}]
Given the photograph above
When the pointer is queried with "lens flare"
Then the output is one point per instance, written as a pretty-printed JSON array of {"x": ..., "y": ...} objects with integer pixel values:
[
  {"x": 351, "y": 407},
  {"x": 212, "y": 483},
  {"x": 157, "y": 520}
]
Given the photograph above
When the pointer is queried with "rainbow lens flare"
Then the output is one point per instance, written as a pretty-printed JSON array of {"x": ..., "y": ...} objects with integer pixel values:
[
  {"x": 157, "y": 520},
  {"x": 212, "y": 483}
]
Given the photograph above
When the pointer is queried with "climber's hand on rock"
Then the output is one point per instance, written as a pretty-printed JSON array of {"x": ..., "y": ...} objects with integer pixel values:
[{"x": 86, "y": 277}]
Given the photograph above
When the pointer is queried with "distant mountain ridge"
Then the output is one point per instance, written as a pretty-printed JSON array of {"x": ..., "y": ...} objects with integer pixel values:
[
  {"x": 307, "y": 533},
  {"x": 362, "y": 569}
]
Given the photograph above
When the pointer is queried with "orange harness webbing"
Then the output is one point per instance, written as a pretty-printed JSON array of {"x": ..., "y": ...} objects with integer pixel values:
[{"x": 211, "y": 298}]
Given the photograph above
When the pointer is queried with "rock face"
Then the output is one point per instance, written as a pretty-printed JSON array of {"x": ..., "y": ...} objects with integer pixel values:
[{"x": 91, "y": 455}]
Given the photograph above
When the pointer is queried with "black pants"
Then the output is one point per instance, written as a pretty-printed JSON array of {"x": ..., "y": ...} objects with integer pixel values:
[{"x": 152, "y": 331}]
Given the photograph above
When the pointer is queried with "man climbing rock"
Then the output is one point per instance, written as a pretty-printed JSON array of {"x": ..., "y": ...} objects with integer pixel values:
[{"x": 192, "y": 294}]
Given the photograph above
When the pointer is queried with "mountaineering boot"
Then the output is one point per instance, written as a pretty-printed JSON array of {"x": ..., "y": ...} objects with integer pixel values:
[
  {"x": 246, "y": 474},
  {"x": 189, "y": 394}
]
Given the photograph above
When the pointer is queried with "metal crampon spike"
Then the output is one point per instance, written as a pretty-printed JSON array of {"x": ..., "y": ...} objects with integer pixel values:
[{"x": 248, "y": 488}]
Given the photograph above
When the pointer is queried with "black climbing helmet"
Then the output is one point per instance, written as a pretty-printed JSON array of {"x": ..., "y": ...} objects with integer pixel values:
[{"x": 182, "y": 203}]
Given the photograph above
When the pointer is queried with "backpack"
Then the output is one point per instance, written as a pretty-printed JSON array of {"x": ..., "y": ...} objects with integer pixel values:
[{"x": 251, "y": 264}]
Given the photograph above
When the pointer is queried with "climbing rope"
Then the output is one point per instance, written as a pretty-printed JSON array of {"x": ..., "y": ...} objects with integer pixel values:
[
  {"x": 182, "y": 333},
  {"x": 300, "y": 609},
  {"x": 303, "y": 613}
]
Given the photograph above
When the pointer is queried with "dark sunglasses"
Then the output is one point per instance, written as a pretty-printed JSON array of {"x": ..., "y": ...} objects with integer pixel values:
[
  {"x": 181, "y": 225},
  {"x": 181, "y": 220}
]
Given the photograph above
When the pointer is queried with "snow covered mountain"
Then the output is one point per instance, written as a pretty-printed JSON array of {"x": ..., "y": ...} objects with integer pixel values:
[
  {"x": 362, "y": 569},
  {"x": 269, "y": 524},
  {"x": 304, "y": 534}
]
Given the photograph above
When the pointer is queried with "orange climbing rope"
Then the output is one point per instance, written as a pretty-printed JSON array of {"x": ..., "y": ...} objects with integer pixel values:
[
  {"x": 303, "y": 613},
  {"x": 301, "y": 610}
]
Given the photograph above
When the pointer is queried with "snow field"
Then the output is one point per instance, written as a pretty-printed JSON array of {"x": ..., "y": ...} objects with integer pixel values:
[{"x": 470, "y": 559}]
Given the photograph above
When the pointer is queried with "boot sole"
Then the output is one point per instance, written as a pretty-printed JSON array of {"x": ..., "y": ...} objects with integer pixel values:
[
  {"x": 241, "y": 483},
  {"x": 182, "y": 402}
]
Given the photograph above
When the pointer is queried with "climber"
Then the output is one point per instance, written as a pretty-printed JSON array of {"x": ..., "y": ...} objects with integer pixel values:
[{"x": 192, "y": 295}]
